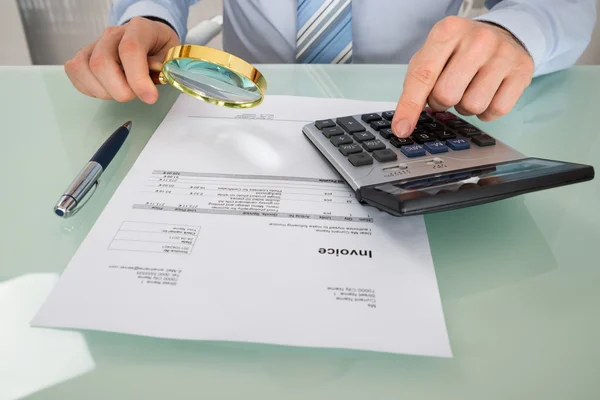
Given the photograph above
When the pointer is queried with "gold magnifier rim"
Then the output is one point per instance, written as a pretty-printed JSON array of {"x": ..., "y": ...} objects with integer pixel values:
[{"x": 218, "y": 57}]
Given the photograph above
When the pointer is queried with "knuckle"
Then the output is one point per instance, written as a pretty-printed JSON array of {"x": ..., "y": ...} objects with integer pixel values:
[
  {"x": 498, "y": 108},
  {"x": 97, "y": 62},
  {"x": 75, "y": 65},
  {"x": 448, "y": 27},
  {"x": 506, "y": 48},
  {"x": 72, "y": 66},
  {"x": 444, "y": 97},
  {"x": 524, "y": 68},
  {"x": 422, "y": 74},
  {"x": 112, "y": 30},
  {"x": 136, "y": 21},
  {"x": 128, "y": 46},
  {"x": 473, "y": 105},
  {"x": 484, "y": 36}
]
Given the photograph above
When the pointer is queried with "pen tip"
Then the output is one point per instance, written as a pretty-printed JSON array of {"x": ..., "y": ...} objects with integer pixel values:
[{"x": 128, "y": 125}]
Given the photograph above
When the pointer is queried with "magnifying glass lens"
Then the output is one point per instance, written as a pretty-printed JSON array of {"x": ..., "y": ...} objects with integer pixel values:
[{"x": 208, "y": 80}]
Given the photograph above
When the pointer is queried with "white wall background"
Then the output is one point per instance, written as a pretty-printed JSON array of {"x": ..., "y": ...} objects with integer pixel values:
[
  {"x": 14, "y": 50},
  {"x": 56, "y": 29}
]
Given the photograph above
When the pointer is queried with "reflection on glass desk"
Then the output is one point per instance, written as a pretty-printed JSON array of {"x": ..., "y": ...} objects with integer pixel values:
[{"x": 519, "y": 278}]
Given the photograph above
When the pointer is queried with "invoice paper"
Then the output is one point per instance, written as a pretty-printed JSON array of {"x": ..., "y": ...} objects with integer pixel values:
[{"x": 230, "y": 226}]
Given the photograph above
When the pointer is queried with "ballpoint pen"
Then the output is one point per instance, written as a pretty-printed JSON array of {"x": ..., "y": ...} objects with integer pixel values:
[{"x": 89, "y": 175}]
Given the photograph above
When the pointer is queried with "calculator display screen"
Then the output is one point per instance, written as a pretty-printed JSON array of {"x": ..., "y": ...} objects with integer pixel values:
[
  {"x": 477, "y": 177},
  {"x": 476, "y": 185}
]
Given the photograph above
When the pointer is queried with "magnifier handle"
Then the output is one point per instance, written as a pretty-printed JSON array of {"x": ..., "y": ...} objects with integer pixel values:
[{"x": 156, "y": 77}]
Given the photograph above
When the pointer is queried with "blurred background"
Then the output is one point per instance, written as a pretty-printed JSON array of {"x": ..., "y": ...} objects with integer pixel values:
[{"x": 49, "y": 32}]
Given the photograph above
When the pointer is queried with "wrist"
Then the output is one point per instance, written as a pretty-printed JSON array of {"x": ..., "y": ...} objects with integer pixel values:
[
  {"x": 509, "y": 33},
  {"x": 156, "y": 19}
]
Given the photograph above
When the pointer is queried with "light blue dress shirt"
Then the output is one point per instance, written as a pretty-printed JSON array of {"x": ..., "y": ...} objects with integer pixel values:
[{"x": 555, "y": 32}]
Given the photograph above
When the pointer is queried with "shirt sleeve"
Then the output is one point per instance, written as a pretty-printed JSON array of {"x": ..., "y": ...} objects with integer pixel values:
[
  {"x": 175, "y": 12},
  {"x": 555, "y": 32}
]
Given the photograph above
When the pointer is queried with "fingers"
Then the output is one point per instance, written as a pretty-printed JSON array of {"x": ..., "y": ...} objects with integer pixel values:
[
  {"x": 506, "y": 97},
  {"x": 81, "y": 76},
  {"x": 477, "y": 68},
  {"x": 467, "y": 60},
  {"x": 139, "y": 41},
  {"x": 423, "y": 72},
  {"x": 482, "y": 89},
  {"x": 105, "y": 65},
  {"x": 116, "y": 66}
]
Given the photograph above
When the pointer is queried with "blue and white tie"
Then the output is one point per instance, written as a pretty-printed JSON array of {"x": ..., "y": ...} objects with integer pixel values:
[{"x": 324, "y": 32}]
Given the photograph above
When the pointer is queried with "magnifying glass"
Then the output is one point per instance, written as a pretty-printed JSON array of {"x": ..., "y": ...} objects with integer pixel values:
[{"x": 213, "y": 76}]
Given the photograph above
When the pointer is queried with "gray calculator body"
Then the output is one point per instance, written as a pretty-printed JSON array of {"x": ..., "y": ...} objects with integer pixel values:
[{"x": 433, "y": 174}]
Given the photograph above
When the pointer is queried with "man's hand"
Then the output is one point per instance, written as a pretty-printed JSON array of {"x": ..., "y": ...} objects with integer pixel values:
[
  {"x": 117, "y": 66},
  {"x": 475, "y": 67}
]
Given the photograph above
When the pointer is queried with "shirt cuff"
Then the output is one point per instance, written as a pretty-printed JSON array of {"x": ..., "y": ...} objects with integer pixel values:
[
  {"x": 524, "y": 27},
  {"x": 150, "y": 9}
]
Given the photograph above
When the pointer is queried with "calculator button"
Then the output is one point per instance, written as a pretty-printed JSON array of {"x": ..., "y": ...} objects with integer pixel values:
[
  {"x": 389, "y": 115},
  {"x": 458, "y": 144},
  {"x": 370, "y": 117},
  {"x": 363, "y": 136},
  {"x": 468, "y": 131},
  {"x": 456, "y": 123},
  {"x": 444, "y": 135},
  {"x": 433, "y": 126},
  {"x": 373, "y": 145},
  {"x": 386, "y": 155},
  {"x": 399, "y": 142},
  {"x": 424, "y": 117},
  {"x": 435, "y": 147},
  {"x": 384, "y": 124},
  {"x": 346, "y": 149},
  {"x": 386, "y": 133},
  {"x": 445, "y": 116},
  {"x": 339, "y": 140},
  {"x": 483, "y": 140},
  {"x": 329, "y": 132},
  {"x": 423, "y": 137},
  {"x": 325, "y": 123},
  {"x": 350, "y": 124},
  {"x": 413, "y": 150},
  {"x": 360, "y": 159}
]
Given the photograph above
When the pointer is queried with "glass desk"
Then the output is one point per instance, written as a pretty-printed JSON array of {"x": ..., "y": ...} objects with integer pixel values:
[{"x": 519, "y": 279}]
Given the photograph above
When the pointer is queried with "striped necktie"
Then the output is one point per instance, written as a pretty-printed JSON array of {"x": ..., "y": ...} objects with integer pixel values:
[{"x": 324, "y": 33}]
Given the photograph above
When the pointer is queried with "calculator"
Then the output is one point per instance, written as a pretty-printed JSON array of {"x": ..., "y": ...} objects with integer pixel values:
[{"x": 446, "y": 163}]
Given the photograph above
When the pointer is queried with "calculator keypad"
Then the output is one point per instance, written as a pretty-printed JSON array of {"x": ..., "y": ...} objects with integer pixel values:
[
  {"x": 413, "y": 150},
  {"x": 360, "y": 159},
  {"x": 371, "y": 117},
  {"x": 363, "y": 136},
  {"x": 389, "y": 115},
  {"x": 399, "y": 142},
  {"x": 326, "y": 123},
  {"x": 372, "y": 145},
  {"x": 435, "y": 147},
  {"x": 386, "y": 155},
  {"x": 368, "y": 138},
  {"x": 350, "y": 125},
  {"x": 347, "y": 149},
  {"x": 484, "y": 140},
  {"x": 339, "y": 140},
  {"x": 332, "y": 131},
  {"x": 378, "y": 125}
]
